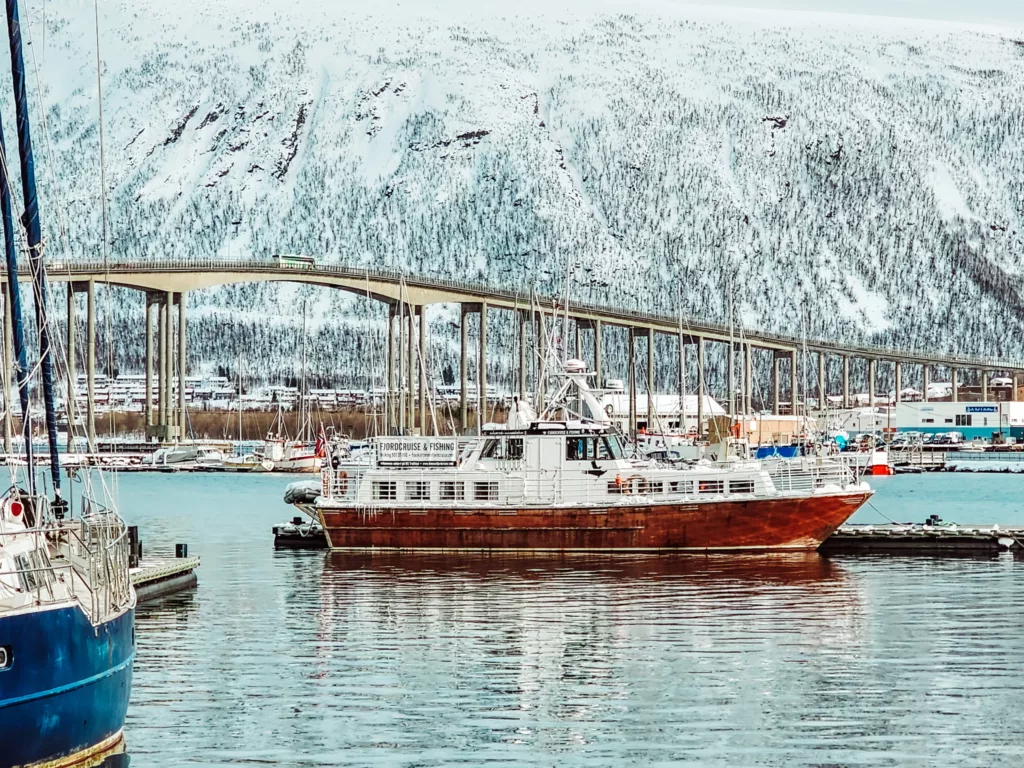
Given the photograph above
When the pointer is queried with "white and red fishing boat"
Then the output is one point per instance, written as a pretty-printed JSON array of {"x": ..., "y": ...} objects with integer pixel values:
[{"x": 561, "y": 481}]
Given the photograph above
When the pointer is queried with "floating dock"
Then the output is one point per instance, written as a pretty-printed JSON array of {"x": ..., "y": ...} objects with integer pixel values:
[
  {"x": 299, "y": 534},
  {"x": 941, "y": 539},
  {"x": 160, "y": 576}
]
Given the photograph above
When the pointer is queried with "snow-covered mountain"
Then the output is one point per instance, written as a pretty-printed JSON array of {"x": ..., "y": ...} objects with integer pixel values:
[{"x": 844, "y": 177}]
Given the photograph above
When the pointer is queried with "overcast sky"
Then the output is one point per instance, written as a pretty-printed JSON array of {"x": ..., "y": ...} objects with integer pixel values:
[{"x": 984, "y": 11}]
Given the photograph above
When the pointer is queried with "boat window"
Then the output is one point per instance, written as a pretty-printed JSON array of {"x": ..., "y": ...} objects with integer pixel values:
[
  {"x": 610, "y": 448},
  {"x": 492, "y": 450},
  {"x": 741, "y": 486},
  {"x": 452, "y": 490},
  {"x": 680, "y": 486},
  {"x": 385, "y": 490},
  {"x": 417, "y": 490},
  {"x": 487, "y": 491},
  {"x": 28, "y": 576},
  {"x": 514, "y": 448},
  {"x": 710, "y": 486},
  {"x": 655, "y": 486}
]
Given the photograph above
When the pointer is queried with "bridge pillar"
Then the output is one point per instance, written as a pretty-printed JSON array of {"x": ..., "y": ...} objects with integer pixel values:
[
  {"x": 597, "y": 354},
  {"x": 776, "y": 365},
  {"x": 410, "y": 416},
  {"x": 846, "y": 381},
  {"x": 402, "y": 307},
  {"x": 9, "y": 368},
  {"x": 423, "y": 372},
  {"x": 90, "y": 344},
  {"x": 182, "y": 365},
  {"x": 748, "y": 379},
  {"x": 731, "y": 378},
  {"x": 147, "y": 408},
  {"x": 925, "y": 382},
  {"x": 389, "y": 394},
  {"x": 681, "y": 383},
  {"x": 481, "y": 366},
  {"x": 579, "y": 341},
  {"x": 984, "y": 386},
  {"x": 72, "y": 377},
  {"x": 542, "y": 346},
  {"x": 631, "y": 372},
  {"x": 822, "y": 393},
  {"x": 652, "y": 411},
  {"x": 794, "y": 388},
  {"x": 161, "y": 420},
  {"x": 523, "y": 318},
  {"x": 872, "y": 372},
  {"x": 955, "y": 378},
  {"x": 702, "y": 389},
  {"x": 899, "y": 383}
]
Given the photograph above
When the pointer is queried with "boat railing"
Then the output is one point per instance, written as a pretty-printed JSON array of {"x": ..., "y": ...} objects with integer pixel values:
[
  {"x": 805, "y": 477},
  {"x": 412, "y": 489},
  {"x": 88, "y": 556}
]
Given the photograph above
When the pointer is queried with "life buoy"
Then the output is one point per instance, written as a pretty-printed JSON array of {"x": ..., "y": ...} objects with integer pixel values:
[
  {"x": 629, "y": 482},
  {"x": 618, "y": 483}
]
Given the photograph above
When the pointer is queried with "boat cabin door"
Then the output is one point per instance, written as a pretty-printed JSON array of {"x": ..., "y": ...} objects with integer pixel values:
[{"x": 544, "y": 467}]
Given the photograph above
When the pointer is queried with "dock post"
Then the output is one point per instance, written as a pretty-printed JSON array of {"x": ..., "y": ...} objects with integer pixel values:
[
  {"x": 701, "y": 385},
  {"x": 872, "y": 371},
  {"x": 899, "y": 382},
  {"x": 748, "y": 379},
  {"x": 794, "y": 388},
  {"x": 481, "y": 366},
  {"x": 632, "y": 381},
  {"x": 182, "y": 373},
  {"x": 984, "y": 386},
  {"x": 652, "y": 411},
  {"x": 775, "y": 382},
  {"x": 955, "y": 376},
  {"x": 464, "y": 370},
  {"x": 90, "y": 345},
  {"x": 597, "y": 354},
  {"x": 72, "y": 377},
  {"x": 423, "y": 370},
  {"x": 846, "y": 381},
  {"x": 924, "y": 382},
  {"x": 8, "y": 368},
  {"x": 822, "y": 394},
  {"x": 148, "y": 406},
  {"x": 522, "y": 356}
]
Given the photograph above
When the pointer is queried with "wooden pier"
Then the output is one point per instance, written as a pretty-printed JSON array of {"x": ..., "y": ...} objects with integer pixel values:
[{"x": 160, "y": 576}]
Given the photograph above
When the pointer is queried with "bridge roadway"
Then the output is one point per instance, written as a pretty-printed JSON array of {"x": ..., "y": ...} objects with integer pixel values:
[
  {"x": 165, "y": 282},
  {"x": 394, "y": 288}
]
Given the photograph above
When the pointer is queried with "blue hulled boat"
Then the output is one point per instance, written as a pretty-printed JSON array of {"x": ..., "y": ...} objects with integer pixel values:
[{"x": 67, "y": 607}]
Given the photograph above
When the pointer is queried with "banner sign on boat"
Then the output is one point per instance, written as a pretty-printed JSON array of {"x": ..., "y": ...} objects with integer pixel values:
[
  {"x": 417, "y": 451},
  {"x": 981, "y": 409}
]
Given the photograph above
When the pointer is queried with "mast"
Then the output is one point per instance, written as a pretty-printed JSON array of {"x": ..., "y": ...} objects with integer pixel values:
[
  {"x": 20, "y": 355},
  {"x": 30, "y": 220},
  {"x": 302, "y": 383}
]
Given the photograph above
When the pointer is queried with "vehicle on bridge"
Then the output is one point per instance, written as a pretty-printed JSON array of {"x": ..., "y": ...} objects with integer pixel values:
[{"x": 295, "y": 260}]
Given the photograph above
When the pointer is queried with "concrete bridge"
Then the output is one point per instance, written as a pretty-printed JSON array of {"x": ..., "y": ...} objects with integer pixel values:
[{"x": 165, "y": 283}]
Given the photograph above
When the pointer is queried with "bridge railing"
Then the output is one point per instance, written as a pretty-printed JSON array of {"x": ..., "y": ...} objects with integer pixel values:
[{"x": 688, "y": 325}]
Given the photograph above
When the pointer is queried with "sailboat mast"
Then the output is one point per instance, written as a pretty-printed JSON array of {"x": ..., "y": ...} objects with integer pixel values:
[
  {"x": 30, "y": 219},
  {"x": 14, "y": 296}
]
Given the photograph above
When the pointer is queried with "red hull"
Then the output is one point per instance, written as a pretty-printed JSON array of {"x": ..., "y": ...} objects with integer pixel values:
[{"x": 791, "y": 524}]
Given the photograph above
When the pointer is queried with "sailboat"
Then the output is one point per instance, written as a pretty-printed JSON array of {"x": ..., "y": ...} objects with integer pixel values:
[
  {"x": 67, "y": 606},
  {"x": 244, "y": 462}
]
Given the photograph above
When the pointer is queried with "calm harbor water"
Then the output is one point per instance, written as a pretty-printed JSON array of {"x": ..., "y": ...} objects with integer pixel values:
[{"x": 312, "y": 659}]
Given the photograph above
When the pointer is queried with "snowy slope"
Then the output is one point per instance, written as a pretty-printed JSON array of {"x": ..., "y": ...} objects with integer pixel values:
[{"x": 850, "y": 177}]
